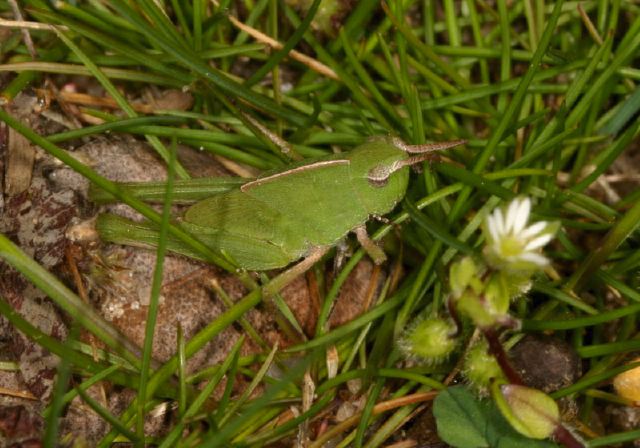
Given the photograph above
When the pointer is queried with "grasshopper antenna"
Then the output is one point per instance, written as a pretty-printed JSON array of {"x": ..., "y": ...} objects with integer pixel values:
[{"x": 427, "y": 147}]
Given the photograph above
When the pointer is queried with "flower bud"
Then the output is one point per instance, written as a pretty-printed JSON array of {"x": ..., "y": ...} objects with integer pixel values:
[
  {"x": 480, "y": 367},
  {"x": 430, "y": 340},
  {"x": 462, "y": 275},
  {"x": 476, "y": 308},
  {"x": 529, "y": 411}
]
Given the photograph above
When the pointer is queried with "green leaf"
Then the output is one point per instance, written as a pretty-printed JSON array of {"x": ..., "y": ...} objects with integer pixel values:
[
  {"x": 464, "y": 421},
  {"x": 460, "y": 418}
]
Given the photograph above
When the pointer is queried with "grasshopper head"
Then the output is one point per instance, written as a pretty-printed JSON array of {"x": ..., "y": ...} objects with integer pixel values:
[
  {"x": 380, "y": 170},
  {"x": 379, "y": 175}
]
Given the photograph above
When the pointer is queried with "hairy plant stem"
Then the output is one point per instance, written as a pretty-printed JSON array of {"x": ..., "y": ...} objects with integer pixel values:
[
  {"x": 566, "y": 437},
  {"x": 497, "y": 350}
]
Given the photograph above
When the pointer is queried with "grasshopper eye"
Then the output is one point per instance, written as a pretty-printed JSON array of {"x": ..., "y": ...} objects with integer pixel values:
[{"x": 379, "y": 176}]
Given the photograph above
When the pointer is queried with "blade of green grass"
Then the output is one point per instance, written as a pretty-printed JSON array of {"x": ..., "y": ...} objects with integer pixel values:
[
  {"x": 108, "y": 417},
  {"x": 119, "y": 98},
  {"x": 204, "y": 394},
  {"x": 510, "y": 112},
  {"x": 156, "y": 285},
  {"x": 218, "y": 79}
]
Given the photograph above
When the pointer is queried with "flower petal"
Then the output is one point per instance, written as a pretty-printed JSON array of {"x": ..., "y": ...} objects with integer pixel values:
[
  {"x": 491, "y": 228},
  {"x": 522, "y": 215},
  {"x": 534, "y": 258},
  {"x": 538, "y": 242},
  {"x": 512, "y": 215},
  {"x": 533, "y": 230},
  {"x": 499, "y": 222}
]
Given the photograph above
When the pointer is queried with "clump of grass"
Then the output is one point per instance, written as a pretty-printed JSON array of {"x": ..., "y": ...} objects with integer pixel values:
[{"x": 545, "y": 94}]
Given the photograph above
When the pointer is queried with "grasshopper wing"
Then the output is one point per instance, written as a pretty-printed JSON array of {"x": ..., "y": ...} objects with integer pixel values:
[{"x": 318, "y": 200}]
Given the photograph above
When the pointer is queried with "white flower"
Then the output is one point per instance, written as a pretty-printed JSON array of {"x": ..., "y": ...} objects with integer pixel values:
[{"x": 513, "y": 246}]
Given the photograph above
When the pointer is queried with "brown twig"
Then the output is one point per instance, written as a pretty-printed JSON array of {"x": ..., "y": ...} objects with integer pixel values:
[
  {"x": 385, "y": 406},
  {"x": 313, "y": 64},
  {"x": 17, "y": 393},
  {"x": 28, "y": 42},
  {"x": 70, "y": 255},
  {"x": 23, "y": 24}
]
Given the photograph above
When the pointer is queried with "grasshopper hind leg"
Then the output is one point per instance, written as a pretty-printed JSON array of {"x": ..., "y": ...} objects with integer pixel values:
[{"x": 286, "y": 277}]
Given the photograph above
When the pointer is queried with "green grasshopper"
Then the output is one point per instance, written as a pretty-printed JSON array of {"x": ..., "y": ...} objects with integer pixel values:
[{"x": 299, "y": 212}]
